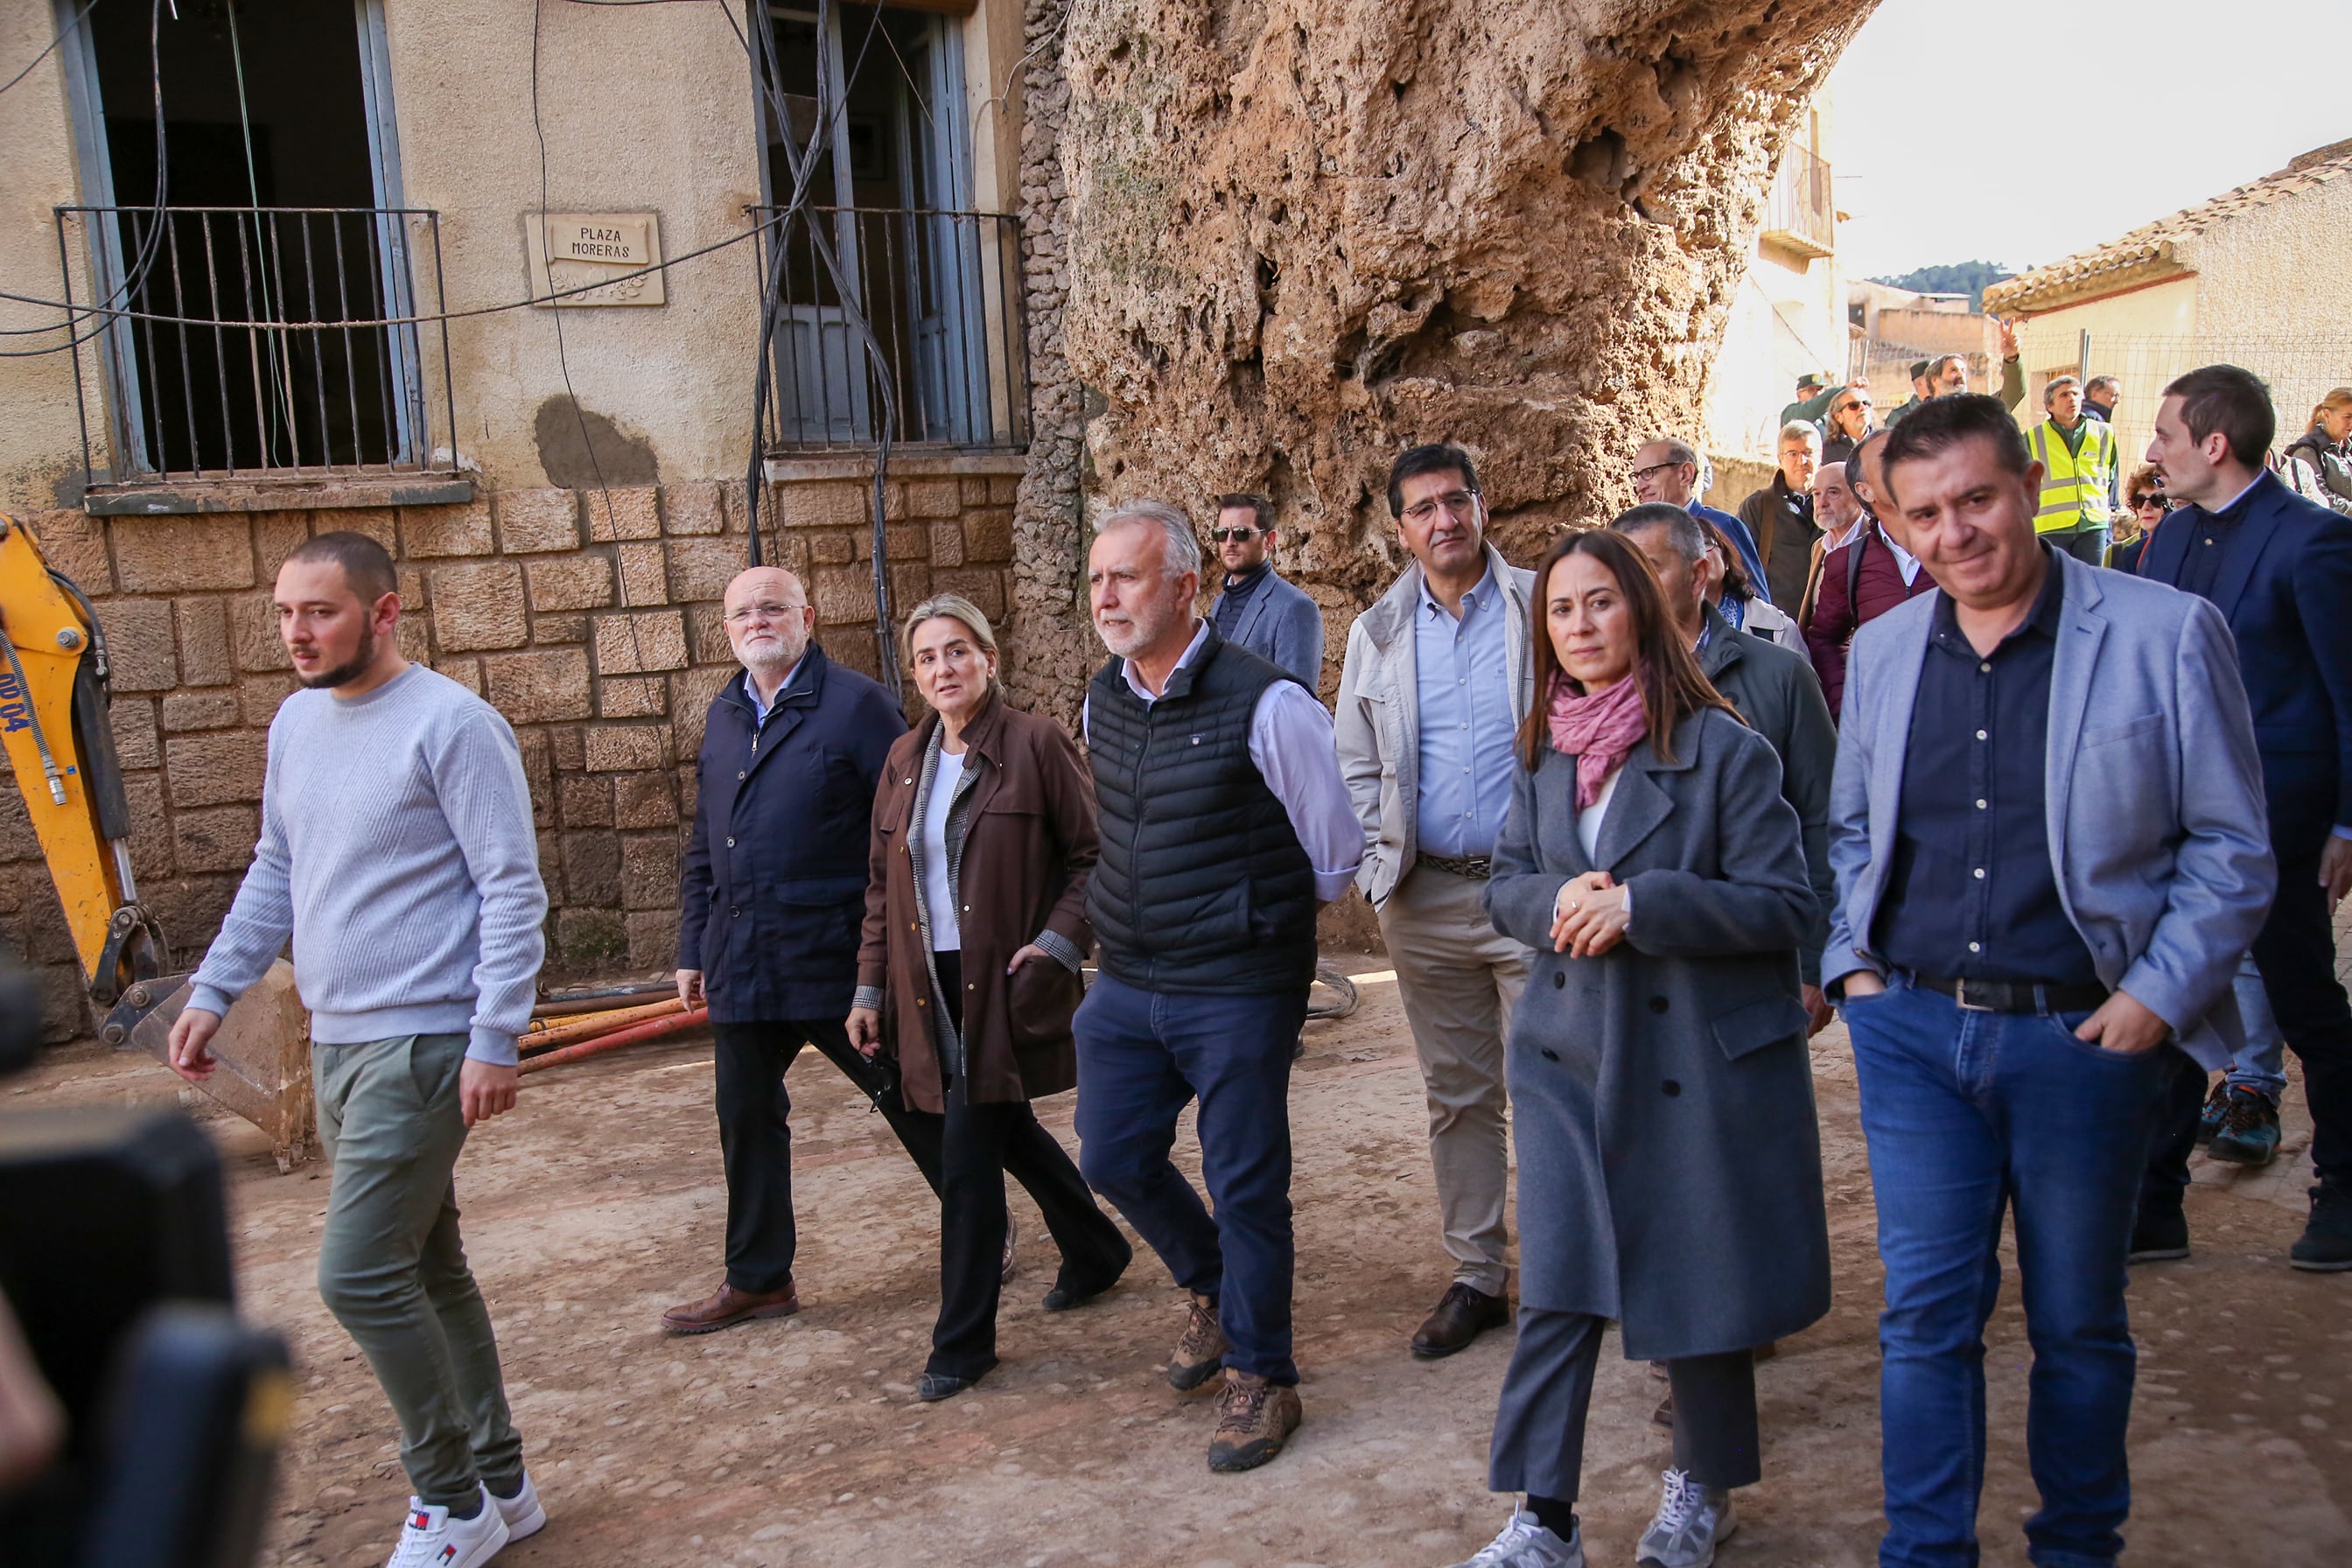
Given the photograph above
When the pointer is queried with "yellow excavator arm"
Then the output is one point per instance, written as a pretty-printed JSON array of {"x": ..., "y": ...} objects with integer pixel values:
[{"x": 60, "y": 745}]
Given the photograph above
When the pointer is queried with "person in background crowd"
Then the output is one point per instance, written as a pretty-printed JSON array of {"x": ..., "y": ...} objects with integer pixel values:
[
  {"x": 2143, "y": 508},
  {"x": 1779, "y": 517},
  {"x": 771, "y": 892},
  {"x": 1860, "y": 516},
  {"x": 2317, "y": 464},
  {"x": 1773, "y": 687},
  {"x": 1812, "y": 392},
  {"x": 1653, "y": 865},
  {"x": 1920, "y": 391},
  {"x": 2279, "y": 569},
  {"x": 1434, "y": 688},
  {"x": 1860, "y": 581},
  {"x": 397, "y": 853},
  {"x": 2100, "y": 394},
  {"x": 1256, "y": 606},
  {"x": 1849, "y": 421},
  {"x": 1667, "y": 471},
  {"x": 1225, "y": 827},
  {"x": 2081, "y": 466},
  {"x": 968, "y": 972},
  {"x": 2045, "y": 827},
  {"x": 1730, "y": 592}
]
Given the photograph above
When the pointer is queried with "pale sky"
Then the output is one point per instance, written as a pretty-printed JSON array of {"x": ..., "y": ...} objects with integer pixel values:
[{"x": 2020, "y": 130}]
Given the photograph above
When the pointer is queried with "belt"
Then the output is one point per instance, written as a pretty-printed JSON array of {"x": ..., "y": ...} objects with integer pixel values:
[
  {"x": 1477, "y": 867},
  {"x": 2014, "y": 995}
]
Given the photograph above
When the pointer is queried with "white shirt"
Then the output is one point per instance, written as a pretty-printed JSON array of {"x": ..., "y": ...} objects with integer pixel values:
[
  {"x": 1905, "y": 562},
  {"x": 1588, "y": 821},
  {"x": 1294, "y": 749},
  {"x": 938, "y": 903}
]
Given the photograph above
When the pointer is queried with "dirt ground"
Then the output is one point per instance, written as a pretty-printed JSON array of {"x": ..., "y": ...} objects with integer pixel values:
[{"x": 800, "y": 1442}]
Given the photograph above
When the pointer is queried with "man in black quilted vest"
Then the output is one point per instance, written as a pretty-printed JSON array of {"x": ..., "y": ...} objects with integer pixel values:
[{"x": 1225, "y": 826}]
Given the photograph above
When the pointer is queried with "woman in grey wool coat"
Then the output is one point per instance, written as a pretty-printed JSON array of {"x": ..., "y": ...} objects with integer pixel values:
[{"x": 1662, "y": 1097}]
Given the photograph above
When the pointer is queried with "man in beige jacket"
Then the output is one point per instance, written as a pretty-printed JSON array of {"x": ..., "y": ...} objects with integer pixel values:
[{"x": 1432, "y": 691}]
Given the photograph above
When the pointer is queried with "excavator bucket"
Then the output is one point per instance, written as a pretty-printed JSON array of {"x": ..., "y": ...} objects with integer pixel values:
[{"x": 262, "y": 1047}]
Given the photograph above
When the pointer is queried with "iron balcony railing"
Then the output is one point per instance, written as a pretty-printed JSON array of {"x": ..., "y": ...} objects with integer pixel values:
[
  {"x": 941, "y": 292},
  {"x": 265, "y": 344},
  {"x": 1801, "y": 213}
]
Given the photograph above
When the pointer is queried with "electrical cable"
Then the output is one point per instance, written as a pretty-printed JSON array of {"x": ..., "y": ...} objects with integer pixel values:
[{"x": 68, "y": 28}]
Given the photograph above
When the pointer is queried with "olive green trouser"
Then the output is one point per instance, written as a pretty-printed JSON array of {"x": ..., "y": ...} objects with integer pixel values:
[{"x": 391, "y": 1267}]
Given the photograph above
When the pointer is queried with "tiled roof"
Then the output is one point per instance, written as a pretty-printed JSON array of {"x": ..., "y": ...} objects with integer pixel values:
[{"x": 2146, "y": 253}]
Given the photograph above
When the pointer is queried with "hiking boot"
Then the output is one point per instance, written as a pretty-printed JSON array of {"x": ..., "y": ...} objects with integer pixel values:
[
  {"x": 1254, "y": 1417},
  {"x": 2326, "y": 1244},
  {"x": 2248, "y": 1134},
  {"x": 1201, "y": 1350},
  {"x": 1690, "y": 1521},
  {"x": 1523, "y": 1543},
  {"x": 2160, "y": 1233},
  {"x": 1462, "y": 1313},
  {"x": 2217, "y": 1107}
]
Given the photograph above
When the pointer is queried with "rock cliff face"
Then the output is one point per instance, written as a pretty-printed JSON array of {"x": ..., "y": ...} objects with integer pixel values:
[{"x": 1297, "y": 236}]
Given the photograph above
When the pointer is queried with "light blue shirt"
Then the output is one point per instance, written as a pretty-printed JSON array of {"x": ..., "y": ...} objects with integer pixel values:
[{"x": 1463, "y": 671}]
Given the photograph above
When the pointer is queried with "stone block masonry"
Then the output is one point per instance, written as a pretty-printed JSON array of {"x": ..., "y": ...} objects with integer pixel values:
[{"x": 595, "y": 632}]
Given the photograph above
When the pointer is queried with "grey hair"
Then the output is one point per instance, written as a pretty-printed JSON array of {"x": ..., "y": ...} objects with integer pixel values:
[
  {"x": 1179, "y": 546},
  {"x": 1679, "y": 451},
  {"x": 1690, "y": 540},
  {"x": 1806, "y": 428},
  {"x": 954, "y": 607},
  {"x": 2057, "y": 385}
]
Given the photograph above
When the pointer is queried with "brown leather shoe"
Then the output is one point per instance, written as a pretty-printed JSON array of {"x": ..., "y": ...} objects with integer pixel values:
[
  {"x": 1462, "y": 1313},
  {"x": 729, "y": 1308},
  {"x": 1254, "y": 1419},
  {"x": 1201, "y": 1351}
]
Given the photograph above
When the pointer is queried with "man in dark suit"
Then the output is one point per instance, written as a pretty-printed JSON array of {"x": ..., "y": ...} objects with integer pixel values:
[
  {"x": 2280, "y": 570},
  {"x": 771, "y": 899},
  {"x": 1257, "y": 608}
]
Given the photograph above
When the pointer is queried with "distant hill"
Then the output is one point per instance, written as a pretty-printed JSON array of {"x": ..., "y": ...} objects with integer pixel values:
[{"x": 1970, "y": 277}]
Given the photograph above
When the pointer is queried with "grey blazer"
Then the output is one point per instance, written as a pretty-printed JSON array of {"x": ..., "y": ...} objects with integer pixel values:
[
  {"x": 1280, "y": 623},
  {"x": 1662, "y": 1097},
  {"x": 2158, "y": 832}
]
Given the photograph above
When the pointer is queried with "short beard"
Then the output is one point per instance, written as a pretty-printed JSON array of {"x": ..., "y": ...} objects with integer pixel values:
[
  {"x": 1140, "y": 634},
  {"x": 781, "y": 664},
  {"x": 350, "y": 670}
]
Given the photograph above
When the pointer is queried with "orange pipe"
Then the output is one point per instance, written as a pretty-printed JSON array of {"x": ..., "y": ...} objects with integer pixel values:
[
  {"x": 656, "y": 1029},
  {"x": 577, "y": 1029}
]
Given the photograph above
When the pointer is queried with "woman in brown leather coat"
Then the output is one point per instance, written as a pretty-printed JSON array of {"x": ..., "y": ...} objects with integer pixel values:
[{"x": 975, "y": 926}]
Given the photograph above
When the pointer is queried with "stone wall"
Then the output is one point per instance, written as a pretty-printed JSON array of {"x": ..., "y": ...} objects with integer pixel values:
[{"x": 593, "y": 628}]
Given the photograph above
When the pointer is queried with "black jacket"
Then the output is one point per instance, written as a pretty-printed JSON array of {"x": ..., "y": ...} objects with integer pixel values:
[
  {"x": 1783, "y": 522},
  {"x": 1777, "y": 693},
  {"x": 772, "y": 891}
]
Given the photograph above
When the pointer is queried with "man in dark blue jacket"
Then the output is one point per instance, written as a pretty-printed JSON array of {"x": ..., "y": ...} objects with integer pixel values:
[
  {"x": 771, "y": 899},
  {"x": 2279, "y": 569}
]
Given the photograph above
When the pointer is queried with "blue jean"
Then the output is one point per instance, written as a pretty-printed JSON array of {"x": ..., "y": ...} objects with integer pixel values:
[
  {"x": 1142, "y": 1057},
  {"x": 2262, "y": 1065},
  {"x": 1968, "y": 1114}
]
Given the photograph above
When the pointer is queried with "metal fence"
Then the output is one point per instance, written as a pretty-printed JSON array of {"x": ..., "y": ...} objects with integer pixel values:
[
  {"x": 941, "y": 293},
  {"x": 225, "y": 391}
]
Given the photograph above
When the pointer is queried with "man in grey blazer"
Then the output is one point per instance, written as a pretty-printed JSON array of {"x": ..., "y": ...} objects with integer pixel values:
[
  {"x": 1432, "y": 690},
  {"x": 1256, "y": 606},
  {"x": 2047, "y": 828}
]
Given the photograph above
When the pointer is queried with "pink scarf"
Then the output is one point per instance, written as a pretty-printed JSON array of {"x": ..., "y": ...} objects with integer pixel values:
[{"x": 1599, "y": 730}]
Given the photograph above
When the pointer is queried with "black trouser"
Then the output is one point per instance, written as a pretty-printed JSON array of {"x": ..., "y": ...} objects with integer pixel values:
[
  {"x": 2296, "y": 954},
  {"x": 1538, "y": 1442},
  {"x": 755, "y": 1142},
  {"x": 981, "y": 1145}
]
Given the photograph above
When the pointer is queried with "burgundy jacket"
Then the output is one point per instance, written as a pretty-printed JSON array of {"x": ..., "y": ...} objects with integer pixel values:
[{"x": 1878, "y": 589}]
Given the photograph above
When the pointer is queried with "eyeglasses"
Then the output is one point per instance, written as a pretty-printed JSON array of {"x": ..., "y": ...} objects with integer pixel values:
[
  {"x": 749, "y": 613},
  {"x": 1234, "y": 535},
  {"x": 1457, "y": 504},
  {"x": 1641, "y": 474},
  {"x": 2141, "y": 503},
  {"x": 1850, "y": 407}
]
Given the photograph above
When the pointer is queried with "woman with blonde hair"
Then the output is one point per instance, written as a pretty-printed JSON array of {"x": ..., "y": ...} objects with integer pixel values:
[
  {"x": 2317, "y": 464},
  {"x": 975, "y": 926}
]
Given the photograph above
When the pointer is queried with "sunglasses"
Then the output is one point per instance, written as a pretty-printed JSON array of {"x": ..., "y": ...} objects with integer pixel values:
[
  {"x": 1850, "y": 407},
  {"x": 1234, "y": 535},
  {"x": 2141, "y": 503}
]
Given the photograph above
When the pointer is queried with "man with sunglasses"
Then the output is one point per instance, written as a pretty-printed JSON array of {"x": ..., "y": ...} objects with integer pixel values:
[
  {"x": 1435, "y": 682},
  {"x": 1257, "y": 608},
  {"x": 1851, "y": 420}
]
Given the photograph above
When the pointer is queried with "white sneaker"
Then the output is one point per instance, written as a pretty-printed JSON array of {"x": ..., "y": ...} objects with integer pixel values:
[
  {"x": 523, "y": 1513},
  {"x": 1692, "y": 1520},
  {"x": 431, "y": 1539},
  {"x": 1523, "y": 1543}
]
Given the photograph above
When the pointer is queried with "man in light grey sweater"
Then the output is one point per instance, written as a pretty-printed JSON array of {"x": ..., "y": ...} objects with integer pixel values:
[{"x": 397, "y": 852}]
